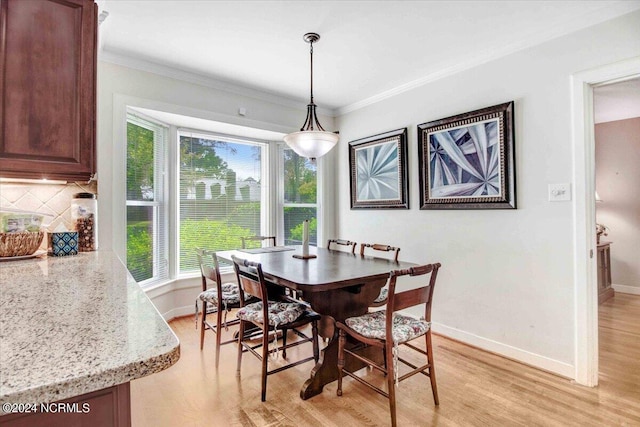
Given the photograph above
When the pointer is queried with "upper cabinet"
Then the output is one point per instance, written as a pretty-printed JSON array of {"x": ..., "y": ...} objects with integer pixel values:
[{"x": 48, "y": 89}]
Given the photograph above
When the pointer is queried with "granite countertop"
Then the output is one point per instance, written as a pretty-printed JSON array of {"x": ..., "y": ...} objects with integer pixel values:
[{"x": 76, "y": 324}]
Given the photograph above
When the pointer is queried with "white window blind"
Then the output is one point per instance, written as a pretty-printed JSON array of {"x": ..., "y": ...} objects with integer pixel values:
[
  {"x": 147, "y": 248},
  {"x": 298, "y": 197},
  {"x": 222, "y": 193}
]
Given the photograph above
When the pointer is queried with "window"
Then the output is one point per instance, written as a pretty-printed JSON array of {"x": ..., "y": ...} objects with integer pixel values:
[
  {"x": 193, "y": 188},
  {"x": 298, "y": 181},
  {"x": 222, "y": 193},
  {"x": 146, "y": 209}
]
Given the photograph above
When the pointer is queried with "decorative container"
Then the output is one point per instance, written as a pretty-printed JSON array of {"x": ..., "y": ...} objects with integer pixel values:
[
  {"x": 64, "y": 243},
  {"x": 84, "y": 211},
  {"x": 20, "y": 244}
]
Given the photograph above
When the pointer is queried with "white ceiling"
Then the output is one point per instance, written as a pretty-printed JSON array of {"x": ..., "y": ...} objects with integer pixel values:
[{"x": 368, "y": 50}]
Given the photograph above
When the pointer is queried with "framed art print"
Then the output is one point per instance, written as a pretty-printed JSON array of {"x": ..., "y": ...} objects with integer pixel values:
[
  {"x": 379, "y": 171},
  {"x": 468, "y": 161}
]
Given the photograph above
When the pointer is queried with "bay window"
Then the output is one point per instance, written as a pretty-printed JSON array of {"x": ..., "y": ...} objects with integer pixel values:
[{"x": 213, "y": 189}]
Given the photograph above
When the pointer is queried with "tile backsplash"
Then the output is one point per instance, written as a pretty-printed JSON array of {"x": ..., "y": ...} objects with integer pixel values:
[{"x": 51, "y": 199}]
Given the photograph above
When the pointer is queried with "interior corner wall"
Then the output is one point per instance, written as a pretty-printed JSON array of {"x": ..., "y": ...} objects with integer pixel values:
[
  {"x": 507, "y": 279},
  {"x": 617, "y": 181}
]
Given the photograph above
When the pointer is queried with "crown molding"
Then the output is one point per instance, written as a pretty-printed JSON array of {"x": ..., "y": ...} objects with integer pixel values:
[
  {"x": 201, "y": 80},
  {"x": 612, "y": 11}
]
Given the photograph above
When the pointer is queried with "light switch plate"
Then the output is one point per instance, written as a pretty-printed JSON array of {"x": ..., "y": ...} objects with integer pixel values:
[{"x": 559, "y": 192}]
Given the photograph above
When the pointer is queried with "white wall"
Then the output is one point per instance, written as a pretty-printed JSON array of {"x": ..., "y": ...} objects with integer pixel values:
[
  {"x": 120, "y": 86},
  {"x": 507, "y": 280},
  {"x": 617, "y": 181}
]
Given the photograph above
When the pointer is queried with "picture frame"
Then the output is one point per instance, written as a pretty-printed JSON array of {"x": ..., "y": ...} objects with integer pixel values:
[
  {"x": 378, "y": 167},
  {"x": 467, "y": 161}
]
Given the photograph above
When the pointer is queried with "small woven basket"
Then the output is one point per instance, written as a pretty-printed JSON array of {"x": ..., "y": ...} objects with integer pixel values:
[{"x": 20, "y": 244}]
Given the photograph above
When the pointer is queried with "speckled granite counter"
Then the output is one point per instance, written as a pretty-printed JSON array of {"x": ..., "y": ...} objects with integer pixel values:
[{"x": 72, "y": 325}]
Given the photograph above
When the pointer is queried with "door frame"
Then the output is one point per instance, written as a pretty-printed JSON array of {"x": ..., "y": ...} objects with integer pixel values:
[{"x": 586, "y": 295}]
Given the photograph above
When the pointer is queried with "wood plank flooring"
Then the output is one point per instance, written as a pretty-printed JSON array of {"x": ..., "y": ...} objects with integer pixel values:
[{"x": 476, "y": 388}]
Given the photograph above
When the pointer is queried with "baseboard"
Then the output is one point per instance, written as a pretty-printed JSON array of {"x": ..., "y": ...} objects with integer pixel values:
[
  {"x": 178, "y": 312},
  {"x": 504, "y": 350},
  {"x": 625, "y": 289}
]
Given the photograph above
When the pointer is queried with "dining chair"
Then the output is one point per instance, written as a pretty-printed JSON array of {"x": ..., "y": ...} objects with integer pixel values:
[
  {"x": 390, "y": 330},
  {"x": 381, "y": 299},
  {"x": 246, "y": 240},
  {"x": 212, "y": 288},
  {"x": 341, "y": 242},
  {"x": 281, "y": 315}
]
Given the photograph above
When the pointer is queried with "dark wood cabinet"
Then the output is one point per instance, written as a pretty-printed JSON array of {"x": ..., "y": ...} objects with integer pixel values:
[
  {"x": 109, "y": 407},
  {"x": 605, "y": 291},
  {"x": 48, "y": 89}
]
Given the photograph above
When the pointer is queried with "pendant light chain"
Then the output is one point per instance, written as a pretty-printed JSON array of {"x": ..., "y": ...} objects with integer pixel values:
[{"x": 311, "y": 53}]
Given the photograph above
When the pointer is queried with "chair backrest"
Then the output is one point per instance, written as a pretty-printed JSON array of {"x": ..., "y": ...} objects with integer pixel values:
[
  {"x": 422, "y": 295},
  {"x": 209, "y": 269},
  {"x": 257, "y": 238},
  {"x": 342, "y": 243},
  {"x": 250, "y": 279},
  {"x": 379, "y": 247}
]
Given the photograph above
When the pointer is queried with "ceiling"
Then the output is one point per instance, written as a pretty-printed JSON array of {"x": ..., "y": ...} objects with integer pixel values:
[
  {"x": 367, "y": 51},
  {"x": 617, "y": 101}
]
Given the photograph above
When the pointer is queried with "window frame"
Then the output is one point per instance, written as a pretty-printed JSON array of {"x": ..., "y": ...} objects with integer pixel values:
[
  {"x": 266, "y": 196},
  {"x": 159, "y": 204},
  {"x": 281, "y": 204},
  {"x": 114, "y": 178}
]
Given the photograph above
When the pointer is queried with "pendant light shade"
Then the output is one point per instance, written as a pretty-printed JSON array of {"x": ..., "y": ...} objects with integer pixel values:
[{"x": 312, "y": 141}]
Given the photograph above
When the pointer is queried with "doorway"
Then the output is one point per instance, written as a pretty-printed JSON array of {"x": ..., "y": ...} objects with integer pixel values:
[
  {"x": 617, "y": 155},
  {"x": 586, "y": 303}
]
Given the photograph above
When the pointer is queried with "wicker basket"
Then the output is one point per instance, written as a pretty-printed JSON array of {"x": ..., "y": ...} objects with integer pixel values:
[{"x": 20, "y": 244}]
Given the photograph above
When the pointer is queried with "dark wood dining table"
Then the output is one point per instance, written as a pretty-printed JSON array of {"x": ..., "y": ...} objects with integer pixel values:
[{"x": 336, "y": 284}]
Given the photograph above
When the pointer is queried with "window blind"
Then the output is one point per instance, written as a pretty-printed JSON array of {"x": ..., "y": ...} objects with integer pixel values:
[
  {"x": 147, "y": 219},
  {"x": 221, "y": 193},
  {"x": 299, "y": 200}
]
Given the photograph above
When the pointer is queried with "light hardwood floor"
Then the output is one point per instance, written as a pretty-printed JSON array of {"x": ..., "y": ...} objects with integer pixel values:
[{"x": 476, "y": 388}]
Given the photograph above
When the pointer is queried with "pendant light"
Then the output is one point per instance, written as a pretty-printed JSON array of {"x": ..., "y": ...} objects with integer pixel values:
[{"x": 312, "y": 141}]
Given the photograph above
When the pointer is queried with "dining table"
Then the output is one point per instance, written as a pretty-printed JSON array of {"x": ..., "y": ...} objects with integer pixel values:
[{"x": 336, "y": 284}]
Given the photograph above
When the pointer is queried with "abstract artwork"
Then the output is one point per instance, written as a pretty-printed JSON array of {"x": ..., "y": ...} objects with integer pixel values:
[
  {"x": 379, "y": 171},
  {"x": 467, "y": 161}
]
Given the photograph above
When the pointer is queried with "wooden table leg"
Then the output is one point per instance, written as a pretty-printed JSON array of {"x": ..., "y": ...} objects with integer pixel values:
[{"x": 349, "y": 304}]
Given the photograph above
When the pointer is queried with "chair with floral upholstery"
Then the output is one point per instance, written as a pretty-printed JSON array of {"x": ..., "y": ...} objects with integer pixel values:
[
  {"x": 285, "y": 314},
  {"x": 391, "y": 330},
  {"x": 381, "y": 299},
  {"x": 212, "y": 287},
  {"x": 341, "y": 242}
]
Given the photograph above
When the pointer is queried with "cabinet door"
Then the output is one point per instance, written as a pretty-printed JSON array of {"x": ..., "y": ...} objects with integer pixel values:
[
  {"x": 47, "y": 88},
  {"x": 110, "y": 407}
]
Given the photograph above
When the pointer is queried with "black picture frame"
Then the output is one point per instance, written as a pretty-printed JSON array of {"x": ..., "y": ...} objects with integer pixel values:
[
  {"x": 378, "y": 166},
  {"x": 467, "y": 161}
]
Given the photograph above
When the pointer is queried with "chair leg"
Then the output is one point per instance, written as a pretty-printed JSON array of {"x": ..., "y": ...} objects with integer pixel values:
[
  {"x": 218, "y": 333},
  {"x": 391, "y": 382},
  {"x": 314, "y": 336},
  {"x": 384, "y": 357},
  {"x": 432, "y": 370},
  {"x": 342, "y": 338},
  {"x": 240, "y": 337},
  {"x": 202, "y": 324},
  {"x": 284, "y": 341},
  {"x": 265, "y": 359}
]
